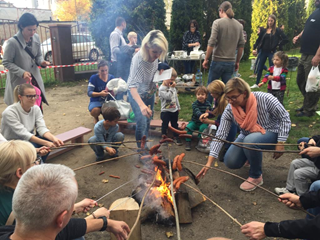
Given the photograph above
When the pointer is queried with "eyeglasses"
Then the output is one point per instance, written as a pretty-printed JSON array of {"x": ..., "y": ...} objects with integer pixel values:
[
  {"x": 37, "y": 161},
  {"x": 31, "y": 96},
  {"x": 232, "y": 98}
]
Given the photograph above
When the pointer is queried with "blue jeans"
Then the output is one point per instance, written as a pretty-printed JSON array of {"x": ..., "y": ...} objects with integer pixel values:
[
  {"x": 236, "y": 157},
  {"x": 262, "y": 59},
  {"x": 223, "y": 70},
  {"x": 99, "y": 150},
  {"x": 188, "y": 66},
  {"x": 232, "y": 133},
  {"x": 315, "y": 186},
  {"x": 143, "y": 123},
  {"x": 36, "y": 145}
]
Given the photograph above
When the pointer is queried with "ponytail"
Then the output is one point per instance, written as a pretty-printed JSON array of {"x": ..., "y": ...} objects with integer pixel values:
[
  {"x": 227, "y": 8},
  {"x": 19, "y": 90}
]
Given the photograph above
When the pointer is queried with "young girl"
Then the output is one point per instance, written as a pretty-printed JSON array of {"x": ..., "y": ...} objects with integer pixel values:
[{"x": 276, "y": 76}]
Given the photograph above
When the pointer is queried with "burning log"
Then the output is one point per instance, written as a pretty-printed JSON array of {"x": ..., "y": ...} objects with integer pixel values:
[{"x": 184, "y": 209}]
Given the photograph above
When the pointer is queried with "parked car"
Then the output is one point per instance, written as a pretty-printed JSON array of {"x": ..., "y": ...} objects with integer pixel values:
[{"x": 83, "y": 47}]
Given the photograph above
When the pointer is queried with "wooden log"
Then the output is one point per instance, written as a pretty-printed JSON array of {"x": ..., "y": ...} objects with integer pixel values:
[
  {"x": 146, "y": 213},
  {"x": 183, "y": 206},
  {"x": 126, "y": 209}
]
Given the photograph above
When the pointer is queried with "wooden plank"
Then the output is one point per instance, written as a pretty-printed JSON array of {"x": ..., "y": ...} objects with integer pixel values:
[{"x": 183, "y": 206}]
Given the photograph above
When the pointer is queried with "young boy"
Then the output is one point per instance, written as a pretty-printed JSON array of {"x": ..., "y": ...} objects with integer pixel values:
[
  {"x": 107, "y": 131},
  {"x": 200, "y": 106},
  {"x": 170, "y": 106}
]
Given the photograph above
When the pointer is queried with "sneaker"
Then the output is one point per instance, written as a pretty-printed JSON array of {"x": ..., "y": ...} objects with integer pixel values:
[
  {"x": 188, "y": 146},
  {"x": 254, "y": 86},
  {"x": 247, "y": 186},
  {"x": 304, "y": 114},
  {"x": 253, "y": 76},
  {"x": 100, "y": 158},
  {"x": 299, "y": 109},
  {"x": 178, "y": 141},
  {"x": 281, "y": 191}
]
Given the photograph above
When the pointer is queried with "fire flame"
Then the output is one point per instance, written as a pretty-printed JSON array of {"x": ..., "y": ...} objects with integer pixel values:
[{"x": 163, "y": 190}]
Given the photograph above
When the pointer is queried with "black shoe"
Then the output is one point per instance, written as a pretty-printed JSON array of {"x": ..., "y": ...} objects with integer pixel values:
[
  {"x": 178, "y": 141},
  {"x": 299, "y": 109},
  {"x": 304, "y": 114},
  {"x": 188, "y": 146}
]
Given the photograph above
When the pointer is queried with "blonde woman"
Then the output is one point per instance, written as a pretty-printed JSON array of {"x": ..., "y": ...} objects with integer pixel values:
[
  {"x": 142, "y": 89},
  {"x": 21, "y": 118}
]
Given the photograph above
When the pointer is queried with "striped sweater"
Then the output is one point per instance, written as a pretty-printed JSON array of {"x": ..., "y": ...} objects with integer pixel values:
[
  {"x": 198, "y": 109},
  {"x": 271, "y": 116},
  {"x": 281, "y": 78}
]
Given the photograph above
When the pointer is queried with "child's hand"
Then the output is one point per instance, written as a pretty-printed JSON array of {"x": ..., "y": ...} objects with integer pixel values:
[
  {"x": 203, "y": 116},
  {"x": 172, "y": 84},
  {"x": 270, "y": 77},
  {"x": 111, "y": 151},
  {"x": 260, "y": 84}
]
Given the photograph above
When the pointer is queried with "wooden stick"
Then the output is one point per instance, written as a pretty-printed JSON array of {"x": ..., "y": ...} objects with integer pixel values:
[
  {"x": 100, "y": 143},
  {"x": 260, "y": 144},
  {"x": 217, "y": 205},
  {"x": 108, "y": 160},
  {"x": 237, "y": 176},
  {"x": 118, "y": 146},
  {"x": 173, "y": 197},
  {"x": 141, "y": 205}
]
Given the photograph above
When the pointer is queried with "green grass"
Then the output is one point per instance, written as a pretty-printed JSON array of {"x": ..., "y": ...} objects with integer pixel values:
[{"x": 304, "y": 127}]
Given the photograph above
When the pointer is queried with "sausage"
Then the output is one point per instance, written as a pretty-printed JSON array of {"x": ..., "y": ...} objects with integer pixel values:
[
  {"x": 143, "y": 141},
  {"x": 164, "y": 136},
  {"x": 166, "y": 140},
  {"x": 157, "y": 161},
  {"x": 174, "y": 165},
  {"x": 114, "y": 176},
  {"x": 101, "y": 173},
  {"x": 185, "y": 136},
  {"x": 176, "y": 180},
  {"x": 182, "y": 180},
  {"x": 154, "y": 149},
  {"x": 183, "y": 126},
  {"x": 181, "y": 156},
  {"x": 177, "y": 131},
  {"x": 146, "y": 157},
  {"x": 147, "y": 171}
]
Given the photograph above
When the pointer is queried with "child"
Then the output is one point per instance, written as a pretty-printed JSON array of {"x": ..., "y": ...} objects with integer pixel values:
[
  {"x": 200, "y": 106},
  {"x": 107, "y": 131},
  {"x": 170, "y": 106},
  {"x": 277, "y": 76}
]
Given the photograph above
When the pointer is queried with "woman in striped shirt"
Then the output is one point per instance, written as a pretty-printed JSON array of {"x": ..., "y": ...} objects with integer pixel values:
[
  {"x": 140, "y": 82},
  {"x": 261, "y": 119}
]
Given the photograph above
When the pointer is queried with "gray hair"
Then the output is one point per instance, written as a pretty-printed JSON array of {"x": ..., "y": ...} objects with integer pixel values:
[{"x": 42, "y": 193}]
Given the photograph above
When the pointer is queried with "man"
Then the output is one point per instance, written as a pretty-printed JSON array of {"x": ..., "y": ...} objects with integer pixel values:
[
  {"x": 43, "y": 203},
  {"x": 116, "y": 40},
  {"x": 310, "y": 56},
  {"x": 226, "y": 37}
]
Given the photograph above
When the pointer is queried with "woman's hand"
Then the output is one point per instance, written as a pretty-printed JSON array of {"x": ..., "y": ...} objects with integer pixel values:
[
  {"x": 279, "y": 147},
  {"x": 204, "y": 170},
  {"x": 146, "y": 111},
  {"x": 203, "y": 116},
  {"x": 45, "y": 63},
  {"x": 49, "y": 144},
  {"x": 26, "y": 76},
  {"x": 57, "y": 142}
]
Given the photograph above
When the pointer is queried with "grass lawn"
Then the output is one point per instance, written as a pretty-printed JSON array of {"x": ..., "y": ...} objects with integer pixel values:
[{"x": 301, "y": 127}]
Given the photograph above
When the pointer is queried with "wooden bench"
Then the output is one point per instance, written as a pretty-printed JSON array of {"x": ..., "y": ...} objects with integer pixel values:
[
  {"x": 124, "y": 126},
  {"x": 74, "y": 135}
]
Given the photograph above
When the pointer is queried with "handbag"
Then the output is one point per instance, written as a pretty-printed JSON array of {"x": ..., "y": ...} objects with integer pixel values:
[
  {"x": 122, "y": 106},
  {"x": 313, "y": 80}
]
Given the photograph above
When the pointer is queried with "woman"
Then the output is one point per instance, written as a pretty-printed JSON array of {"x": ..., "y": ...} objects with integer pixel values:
[
  {"x": 266, "y": 45},
  {"x": 22, "y": 68},
  {"x": 97, "y": 90},
  {"x": 142, "y": 89},
  {"x": 261, "y": 119},
  {"x": 216, "y": 89},
  {"x": 21, "y": 118},
  {"x": 191, "y": 39}
]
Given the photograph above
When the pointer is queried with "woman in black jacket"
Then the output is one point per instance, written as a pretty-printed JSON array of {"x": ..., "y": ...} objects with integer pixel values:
[{"x": 266, "y": 45}]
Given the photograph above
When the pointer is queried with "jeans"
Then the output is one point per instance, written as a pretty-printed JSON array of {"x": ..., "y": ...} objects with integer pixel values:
[
  {"x": 188, "y": 66},
  {"x": 236, "y": 157},
  {"x": 99, "y": 150},
  {"x": 171, "y": 117},
  {"x": 315, "y": 186},
  {"x": 232, "y": 133},
  {"x": 262, "y": 59},
  {"x": 143, "y": 123},
  {"x": 36, "y": 145},
  {"x": 223, "y": 70}
]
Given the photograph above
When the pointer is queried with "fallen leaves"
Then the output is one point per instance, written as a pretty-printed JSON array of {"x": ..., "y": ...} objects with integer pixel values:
[
  {"x": 293, "y": 125},
  {"x": 105, "y": 180},
  {"x": 169, "y": 234}
]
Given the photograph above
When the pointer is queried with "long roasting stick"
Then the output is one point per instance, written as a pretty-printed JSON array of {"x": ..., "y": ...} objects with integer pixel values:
[
  {"x": 97, "y": 143},
  {"x": 115, "y": 190}
]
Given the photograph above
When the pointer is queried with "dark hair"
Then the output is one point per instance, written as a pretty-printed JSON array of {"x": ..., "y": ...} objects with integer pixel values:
[
  {"x": 110, "y": 113},
  {"x": 119, "y": 21},
  {"x": 274, "y": 24},
  {"x": 27, "y": 19},
  {"x": 201, "y": 89},
  {"x": 102, "y": 63},
  {"x": 195, "y": 23},
  {"x": 227, "y": 8},
  {"x": 283, "y": 57},
  {"x": 243, "y": 22}
]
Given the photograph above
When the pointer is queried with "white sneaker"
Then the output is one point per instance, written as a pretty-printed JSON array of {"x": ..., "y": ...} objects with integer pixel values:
[
  {"x": 254, "y": 86},
  {"x": 281, "y": 191}
]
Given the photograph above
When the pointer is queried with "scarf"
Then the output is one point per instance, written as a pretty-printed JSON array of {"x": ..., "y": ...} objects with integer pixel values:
[{"x": 248, "y": 120}]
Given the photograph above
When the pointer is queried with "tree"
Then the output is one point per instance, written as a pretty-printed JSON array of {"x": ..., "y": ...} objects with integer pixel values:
[
  {"x": 74, "y": 10},
  {"x": 141, "y": 16},
  {"x": 311, "y": 7}
]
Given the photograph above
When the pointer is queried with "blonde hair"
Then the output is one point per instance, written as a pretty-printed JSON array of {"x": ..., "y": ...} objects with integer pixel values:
[
  {"x": 174, "y": 73},
  {"x": 217, "y": 87},
  {"x": 237, "y": 84},
  {"x": 19, "y": 90},
  {"x": 131, "y": 34},
  {"x": 283, "y": 57},
  {"x": 227, "y": 8},
  {"x": 13, "y": 155},
  {"x": 154, "y": 38}
]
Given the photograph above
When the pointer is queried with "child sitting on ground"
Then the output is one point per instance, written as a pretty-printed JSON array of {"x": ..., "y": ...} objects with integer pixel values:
[
  {"x": 107, "y": 131},
  {"x": 276, "y": 76},
  {"x": 200, "y": 106},
  {"x": 302, "y": 170},
  {"x": 170, "y": 106}
]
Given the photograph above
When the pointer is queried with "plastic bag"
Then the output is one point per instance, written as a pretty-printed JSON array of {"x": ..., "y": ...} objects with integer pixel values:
[
  {"x": 205, "y": 141},
  {"x": 313, "y": 80}
]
